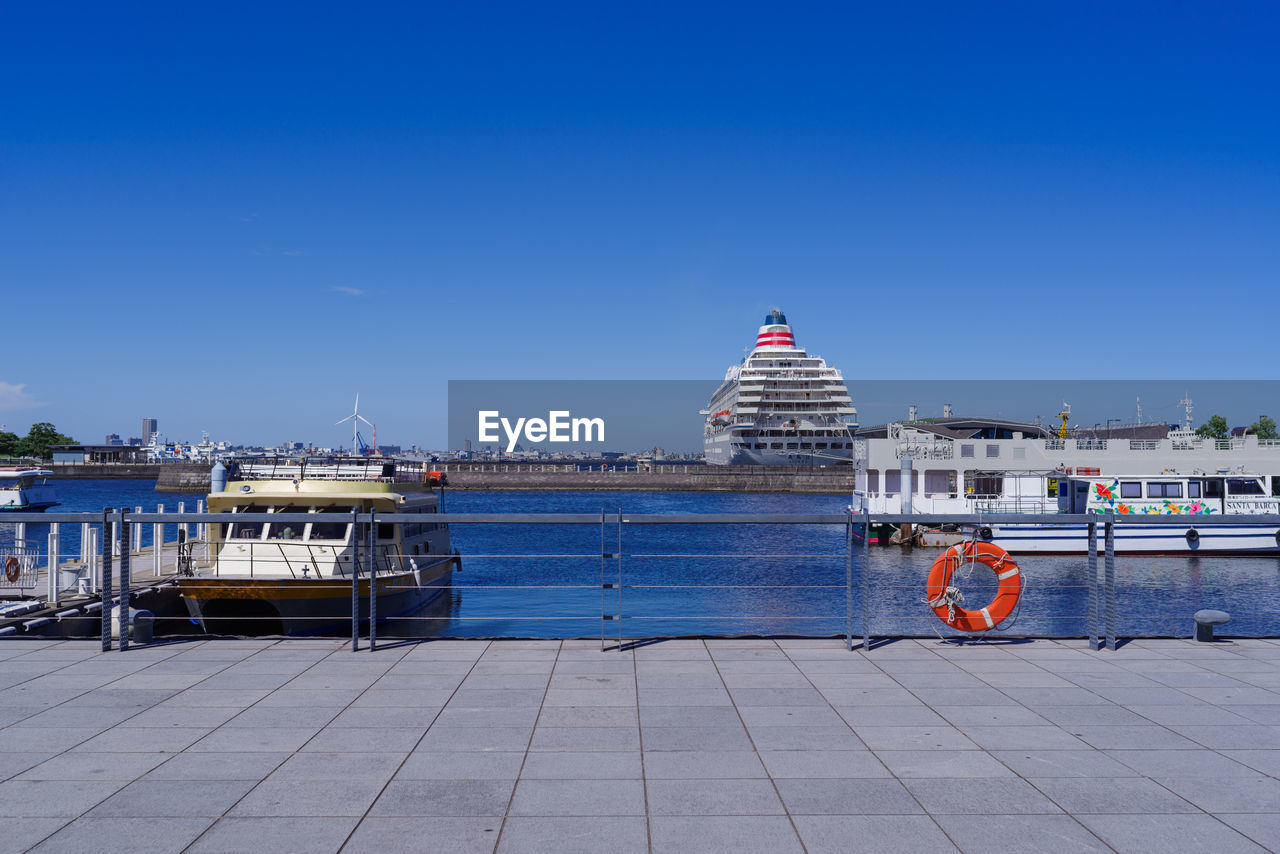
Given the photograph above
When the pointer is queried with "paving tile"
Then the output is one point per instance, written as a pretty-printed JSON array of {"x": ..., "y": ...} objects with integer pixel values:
[
  {"x": 914, "y": 738},
  {"x": 712, "y": 797},
  {"x": 588, "y": 765},
  {"x": 1266, "y": 761},
  {"x": 95, "y": 766},
  {"x": 696, "y": 738},
  {"x": 36, "y": 740},
  {"x": 518, "y": 717},
  {"x": 1168, "y": 834},
  {"x": 579, "y": 797},
  {"x": 918, "y": 715},
  {"x": 248, "y": 739},
  {"x": 1064, "y": 763},
  {"x": 413, "y": 798},
  {"x": 339, "y": 766},
  {"x": 696, "y": 764},
  {"x": 280, "y": 835},
  {"x": 1262, "y": 828},
  {"x": 294, "y": 797},
  {"x": 790, "y": 716},
  {"x": 157, "y": 835},
  {"x": 1120, "y": 795},
  {"x": 1002, "y": 716},
  {"x": 20, "y": 834},
  {"x": 47, "y": 798},
  {"x": 1193, "y": 764},
  {"x": 846, "y": 797},
  {"x": 674, "y": 716},
  {"x": 1023, "y": 738},
  {"x": 574, "y": 835},
  {"x": 1016, "y": 834},
  {"x": 344, "y": 739},
  {"x": 941, "y": 763},
  {"x": 756, "y": 834},
  {"x": 179, "y": 798},
  {"x": 585, "y": 738},
  {"x": 1241, "y": 737},
  {"x": 461, "y": 765},
  {"x": 803, "y": 738},
  {"x": 883, "y": 834},
  {"x": 1132, "y": 738},
  {"x": 816, "y": 764},
  {"x": 1228, "y": 794},
  {"x": 992, "y": 797},
  {"x": 13, "y": 764},
  {"x": 407, "y": 835},
  {"x": 475, "y": 738},
  {"x": 218, "y": 766}
]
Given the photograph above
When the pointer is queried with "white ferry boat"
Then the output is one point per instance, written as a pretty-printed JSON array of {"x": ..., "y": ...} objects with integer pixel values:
[
  {"x": 26, "y": 490},
  {"x": 290, "y": 578},
  {"x": 779, "y": 406},
  {"x": 1200, "y": 500}
]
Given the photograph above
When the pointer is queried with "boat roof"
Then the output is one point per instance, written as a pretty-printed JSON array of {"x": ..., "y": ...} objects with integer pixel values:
[{"x": 14, "y": 471}]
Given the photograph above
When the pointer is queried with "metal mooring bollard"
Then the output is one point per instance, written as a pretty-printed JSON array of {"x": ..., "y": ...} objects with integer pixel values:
[{"x": 1206, "y": 620}]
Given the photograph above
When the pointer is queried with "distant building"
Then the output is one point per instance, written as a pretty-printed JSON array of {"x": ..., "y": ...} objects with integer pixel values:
[
  {"x": 150, "y": 427},
  {"x": 97, "y": 454},
  {"x": 113, "y": 439}
]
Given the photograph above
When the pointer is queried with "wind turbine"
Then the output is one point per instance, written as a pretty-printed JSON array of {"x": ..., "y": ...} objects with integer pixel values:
[{"x": 355, "y": 418}]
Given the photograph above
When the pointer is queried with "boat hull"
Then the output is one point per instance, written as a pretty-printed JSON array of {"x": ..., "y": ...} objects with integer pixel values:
[
  {"x": 241, "y": 605},
  {"x": 1138, "y": 539}
]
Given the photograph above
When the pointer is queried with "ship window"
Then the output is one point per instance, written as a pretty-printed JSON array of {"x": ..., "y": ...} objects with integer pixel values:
[
  {"x": 966, "y": 450},
  {"x": 993, "y": 450},
  {"x": 1243, "y": 486},
  {"x": 791, "y": 446},
  {"x": 1164, "y": 490},
  {"x": 386, "y": 531},
  {"x": 775, "y": 445},
  {"x": 247, "y": 530},
  {"x": 1131, "y": 489},
  {"x": 336, "y": 530},
  {"x": 1193, "y": 489},
  {"x": 1275, "y": 485},
  {"x": 287, "y": 530},
  {"x": 821, "y": 445},
  {"x": 1213, "y": 489},
  {"x": 760, "y": 446}
]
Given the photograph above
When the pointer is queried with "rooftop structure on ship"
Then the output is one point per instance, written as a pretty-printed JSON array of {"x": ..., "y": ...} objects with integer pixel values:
[{"x": 780, "y": 406}]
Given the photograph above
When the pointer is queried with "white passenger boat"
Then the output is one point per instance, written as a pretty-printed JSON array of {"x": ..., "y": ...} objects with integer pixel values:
[
  {"x": 779, "y": 406},
  {"x": 291, "y": 578},
  {"x": 1200, "y": 500},
  {"x": 26, "y": 490}
]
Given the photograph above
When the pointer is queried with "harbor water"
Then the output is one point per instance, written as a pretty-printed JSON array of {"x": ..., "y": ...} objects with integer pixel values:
[{"x": 546, "y": 580}]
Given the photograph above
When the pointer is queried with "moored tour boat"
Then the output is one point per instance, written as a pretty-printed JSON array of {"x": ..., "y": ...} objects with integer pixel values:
[
  {"x": 26, "y": 490},
  {"x": 296, "y": 578}
]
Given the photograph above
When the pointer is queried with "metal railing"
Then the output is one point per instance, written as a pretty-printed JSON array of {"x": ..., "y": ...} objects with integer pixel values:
[{"x": 638, "y": 589}]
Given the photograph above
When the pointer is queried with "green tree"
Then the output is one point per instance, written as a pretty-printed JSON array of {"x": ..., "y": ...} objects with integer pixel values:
[
  {"x": 1265, "y": 428},
  {"x": 8, "y": 444},
  {"x": 39, "y": 439},
  {"x": 1214, "y": 428}
]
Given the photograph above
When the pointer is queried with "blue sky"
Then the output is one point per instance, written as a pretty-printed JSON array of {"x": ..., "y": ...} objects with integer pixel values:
[{"x": 235, "y": 218}]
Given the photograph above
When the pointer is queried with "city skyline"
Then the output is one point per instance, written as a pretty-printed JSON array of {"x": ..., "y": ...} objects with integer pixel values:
[{"x": 238, "y": 228}]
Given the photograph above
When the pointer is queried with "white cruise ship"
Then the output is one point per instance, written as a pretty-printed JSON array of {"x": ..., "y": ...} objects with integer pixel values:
[{"x": 780, "y": 406}]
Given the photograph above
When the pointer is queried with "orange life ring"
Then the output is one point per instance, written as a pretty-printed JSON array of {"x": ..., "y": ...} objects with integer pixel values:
[
  {"x": 983, "y": 619},
  {"x": 11, "y": 568}
]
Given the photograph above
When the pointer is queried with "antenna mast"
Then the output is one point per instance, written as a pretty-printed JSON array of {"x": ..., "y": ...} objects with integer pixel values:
[{"x": 1186, "y": 401}]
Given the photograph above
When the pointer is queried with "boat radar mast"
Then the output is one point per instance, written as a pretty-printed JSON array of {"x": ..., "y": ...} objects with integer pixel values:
[{"x": 1064, "y": 414}]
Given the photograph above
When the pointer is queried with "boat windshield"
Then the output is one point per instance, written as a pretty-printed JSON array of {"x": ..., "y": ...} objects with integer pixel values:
[
  {"x": 330, "y": 530},
  {"x": 287, "y": 530},
  {"x": 247, "y": 530}
]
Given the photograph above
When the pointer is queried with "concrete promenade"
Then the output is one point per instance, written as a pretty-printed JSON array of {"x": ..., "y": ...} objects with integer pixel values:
[{"x": 689, "y": 746}]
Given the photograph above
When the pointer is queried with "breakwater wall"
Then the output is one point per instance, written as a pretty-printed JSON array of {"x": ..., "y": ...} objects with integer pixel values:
[{"x": 658, "y": 478}]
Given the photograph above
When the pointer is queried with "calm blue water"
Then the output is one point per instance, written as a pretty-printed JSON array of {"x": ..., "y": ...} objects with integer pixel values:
[{"x": 544, "y": 580}]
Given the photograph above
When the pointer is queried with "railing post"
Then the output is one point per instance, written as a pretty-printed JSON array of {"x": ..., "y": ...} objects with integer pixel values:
[
  {"x": 353, "y": 541},
  {"x": 53, "y": 564},
  {"x": 619, "y": 579},
  {"x": 1091, "y": 574},
  {"x": 125, "y": 545},
  {"x": 866, "y": 576},
  {"x": 604, "y": 556},
  {"x": 157, "y": 545},
  {"x": 373, "y": 582},
  {"x": 108, "y": 540},
  {"x": 1109, "y": 571},
  {"x": 848, "y": 583}
]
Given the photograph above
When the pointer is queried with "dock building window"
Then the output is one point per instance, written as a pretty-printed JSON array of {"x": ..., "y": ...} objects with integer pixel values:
[{"x": 993, "y": 450}]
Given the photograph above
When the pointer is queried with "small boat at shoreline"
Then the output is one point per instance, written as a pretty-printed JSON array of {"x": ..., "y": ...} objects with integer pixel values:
[
  {"x": 26, "y": 490},
  {"x": 296, "y": 578}
]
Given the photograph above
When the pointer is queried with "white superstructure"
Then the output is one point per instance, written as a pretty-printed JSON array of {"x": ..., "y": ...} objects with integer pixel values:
[
  {"x": 26, "y": 490},
  {"x": 779, "y": 406}
]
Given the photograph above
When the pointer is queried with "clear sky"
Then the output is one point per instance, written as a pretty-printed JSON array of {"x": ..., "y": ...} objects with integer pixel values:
[{"x": 234, "y": 217}]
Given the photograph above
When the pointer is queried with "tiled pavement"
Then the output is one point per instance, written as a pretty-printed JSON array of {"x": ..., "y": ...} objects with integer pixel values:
[{"x": 723, "y": 745}]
